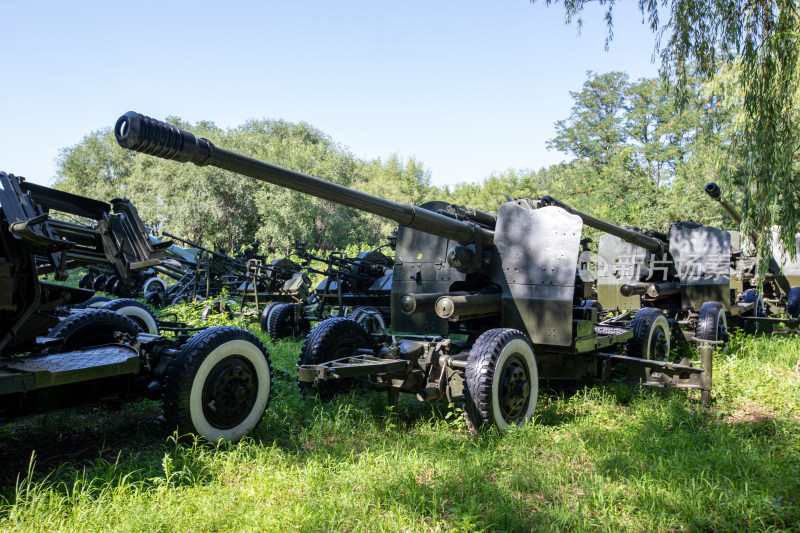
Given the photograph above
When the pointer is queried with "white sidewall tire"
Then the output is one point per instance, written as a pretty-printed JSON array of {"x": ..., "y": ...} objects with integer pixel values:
[
  {"x": 140, "y": 316},
  {"x": 660, "y": 320},
  {"x": 271, "y": 312},
  {"x": 516, "y": 346},
  {"x": 253, "y": 354},
  {"x": 365, "y": 317},
  {"x": 154, "y": 281}
]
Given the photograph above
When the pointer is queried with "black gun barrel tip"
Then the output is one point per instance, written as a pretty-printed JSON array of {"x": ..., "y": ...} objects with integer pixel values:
[
  {"x": 713, "y": 190},
  {"x": 123, "y": 129}
]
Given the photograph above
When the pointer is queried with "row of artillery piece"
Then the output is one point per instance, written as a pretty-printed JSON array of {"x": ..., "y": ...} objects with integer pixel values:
[
  {"x": 282, "y": 289},
  {"x": 485, "y": 308},
  {"x": 477, "y": 309}
]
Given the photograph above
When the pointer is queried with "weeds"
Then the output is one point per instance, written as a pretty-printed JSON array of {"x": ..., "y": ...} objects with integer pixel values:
[{"x": 601, "y": 459}]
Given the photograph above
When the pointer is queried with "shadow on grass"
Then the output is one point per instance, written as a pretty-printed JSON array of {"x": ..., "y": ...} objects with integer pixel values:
[
  {"x": 723, "y": 474},
  {"x": 655, "y": 463}
]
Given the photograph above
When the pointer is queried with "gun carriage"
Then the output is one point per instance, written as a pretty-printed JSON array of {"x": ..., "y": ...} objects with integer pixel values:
[
  {"x": 682, "y": 274},
  {"x": 216, "y": 383},
  {"x": 483, "y": 307},
  {"x": 199, "y": 273},
  {"x": 765, "y": 298},
  {"x": 358, "y": 287}
]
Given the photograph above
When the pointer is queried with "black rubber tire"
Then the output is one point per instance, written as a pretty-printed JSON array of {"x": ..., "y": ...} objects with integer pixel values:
[
  {"x": 219, "y": 384},
  {"x": 282, "y": 323},
  {"x": 154, "y": 299},
  {"x": 136, "y": 311},
  {"x": 651, "y": 335},
  {"x": 85, "y": 282},
  {"x": 264, "y": 317},
  {"x": 99, "y": 283},
  {"x": 793, "y": 302},
  {"x": 332, "y": 339},
  {"x": 180, "y": 299},
  {"x": 370, "y": 318},
  {"x": 752, "y": 296},
  {"x": 92, "y": 302},
  {"x": 120, "y": 291},
  {"x": 502, "y": 381},
  {"x": 111, "y": 284},
  {"x": 712, "y": 324},
  {"x": 92, "y": 327},
  {"x": 153, "y": 284}
]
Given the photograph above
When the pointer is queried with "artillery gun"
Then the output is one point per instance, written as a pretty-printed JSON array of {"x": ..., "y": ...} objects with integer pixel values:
[
  {"x": 216, "y": 383},
  {"x": 779, "y": 291},
  {"x": 359, "y": 287},
  {"x": 484, "y": 306},
  {"x": 282, "y": 281},
  {"x": 199, "y": 273},
  {"x": 683, "y": 273},
  {"x": 101, "y": 278}
]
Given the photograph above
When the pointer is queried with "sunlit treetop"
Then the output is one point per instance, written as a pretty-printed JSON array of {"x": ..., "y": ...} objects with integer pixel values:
[{"x": 762, "y": 37}]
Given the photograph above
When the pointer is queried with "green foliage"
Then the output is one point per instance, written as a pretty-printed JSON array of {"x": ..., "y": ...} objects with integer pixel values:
[
  {"x": 594, "y": 132},
  {"x": 220, "y": 209},
  {"x": 700, "y": 37},
  {"x": 637, "y": 161},
  {"x": 601, "y": 459}
]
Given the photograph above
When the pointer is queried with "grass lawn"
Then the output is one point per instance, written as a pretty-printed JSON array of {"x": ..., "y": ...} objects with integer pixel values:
[{"x": 601, "y": 459}]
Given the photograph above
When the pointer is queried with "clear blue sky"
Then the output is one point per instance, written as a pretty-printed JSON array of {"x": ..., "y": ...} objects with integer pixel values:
[{"x": 466, "y": 87}]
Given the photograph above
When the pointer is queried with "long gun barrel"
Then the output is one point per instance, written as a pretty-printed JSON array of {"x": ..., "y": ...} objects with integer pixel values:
[
  {"x": 653, "y": 290},
  {"x": 715, "y": 192},
  {"x": 203, "y": 249},
  {"x": 149, "y": 136},
  {"x": 634, "y": 237}
]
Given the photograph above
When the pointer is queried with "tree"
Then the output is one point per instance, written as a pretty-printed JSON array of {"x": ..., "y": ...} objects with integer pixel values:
[
  {"x": 594, "y": 132},
  {"x": 763, "y": 36}
]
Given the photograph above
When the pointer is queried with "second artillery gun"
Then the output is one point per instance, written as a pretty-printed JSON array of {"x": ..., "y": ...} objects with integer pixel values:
[
  {"x": 779, "y": 293},
  {"x": 360, "y": 284},
  {"x": 682, "y": 275},
  {"x": 488, "y": 305}
]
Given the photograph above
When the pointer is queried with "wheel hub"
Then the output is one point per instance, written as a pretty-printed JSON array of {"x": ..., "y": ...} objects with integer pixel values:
[
  {"x": 230, "y": 392},
  {"x": 659, "y": 346},
  {"x": 515, "y": 388}
]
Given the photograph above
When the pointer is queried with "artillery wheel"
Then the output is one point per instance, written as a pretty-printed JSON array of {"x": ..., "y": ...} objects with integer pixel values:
[
  {"x": 793, "y": 302},
  {"x": 93, "y": 327},
  {"x": 219, "y": 384},
  {"x": 99, "y": 283},
  {"x": 282, "y": 323},
  {"x": 85, "y": 282},
  {"x": 370, "y": 318},
  {"x": 111, "y": 282},
  {"x": 264, "y": 317},
  {"x": 712, "y": 324},
  {"x": 154, "y": 284},
  {"x": 650, "y": 335},
  {"x": 118, "y": 290},
  {"x": 502, "y": 381},
  {"x": 94, "y": 301},
  {"x": 752, "y": 296},
  {"x": 332, "y": 339},
  {"x": 136, "y": 311},
  {"x": 155, "y": 299},
  {"x": 180, "y": 299}
]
